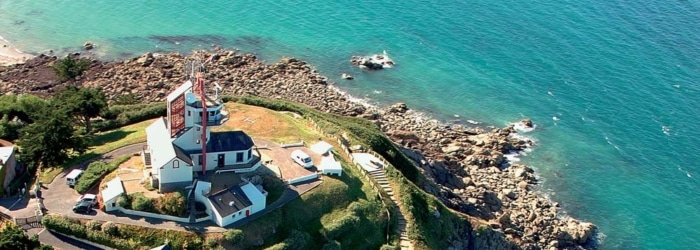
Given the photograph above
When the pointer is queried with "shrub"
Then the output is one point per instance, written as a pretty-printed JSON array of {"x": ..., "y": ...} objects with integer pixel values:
[
  {"x": 124, "y": 201},
  {"x": 331, "y": 245},
  {"x": 172, "y": 204},
  {"x": 211, "y": 242},
  {"x": 234, "y": 236},
  {"x": 110, "y": 228},
  {"x": 297, "y": 240},
  {"x": 61, "y": 224},
  {"x": 93, "y": 225},
  {"x": 95, "y": 171},
  {"x": 341, "y": 226},
  {"x": 141, "y": 203},
  {"x": 389, "y": 247},
  {"x": 121, "y": 115}
]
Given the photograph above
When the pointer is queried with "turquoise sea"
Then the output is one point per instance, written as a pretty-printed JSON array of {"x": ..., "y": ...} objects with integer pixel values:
[{"x": 613, "y": 86}]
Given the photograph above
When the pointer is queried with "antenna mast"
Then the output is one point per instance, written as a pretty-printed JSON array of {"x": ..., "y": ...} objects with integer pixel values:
[{"x": 196, "y": 69}]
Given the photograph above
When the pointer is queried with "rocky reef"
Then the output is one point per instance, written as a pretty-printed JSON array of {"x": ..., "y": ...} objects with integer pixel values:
[{"x": 464, "y": 167}]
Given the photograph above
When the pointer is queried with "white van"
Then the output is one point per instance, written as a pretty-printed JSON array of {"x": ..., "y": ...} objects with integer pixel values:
[
  {"x": 302, "y": 158},
  {"x": 73, "y": 176}
]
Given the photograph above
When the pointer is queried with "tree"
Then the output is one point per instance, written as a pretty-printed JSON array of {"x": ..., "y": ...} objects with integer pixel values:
[
  {"x": 50, "y": 140},
  {"x": 82, "y": 103},
  {"x": 69, "y": 67},
  {"x": 13, "y": 237}
]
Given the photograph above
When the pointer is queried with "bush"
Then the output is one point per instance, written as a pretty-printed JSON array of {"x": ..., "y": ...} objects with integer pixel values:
[
  {"x": 297, "y": 240},
  {"x": 95, "y": 171},
  {"x": 121, "y": 115},
  {"x": 332, "y": 245},
  {"x": 124, "y": 201},
  {"x": 141, "y": 203},
  {"x": 172, "y": 204},
  {"x": 93, "y": 225},
  {"x": 389, "y": 247},
  {"x": 63, "y": 225},
  {"x": 341, "y": 226},
  {"x": 211, "y": 242},
  {"x": 110, "y": 228},
  {"x": 234, "y": 236}
]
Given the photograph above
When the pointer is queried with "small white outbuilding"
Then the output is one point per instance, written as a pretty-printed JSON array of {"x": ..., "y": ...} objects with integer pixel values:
[{"x": 114, "y": 189}]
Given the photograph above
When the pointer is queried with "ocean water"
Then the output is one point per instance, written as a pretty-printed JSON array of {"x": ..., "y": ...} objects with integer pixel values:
[{"x": 612, "y": 86}]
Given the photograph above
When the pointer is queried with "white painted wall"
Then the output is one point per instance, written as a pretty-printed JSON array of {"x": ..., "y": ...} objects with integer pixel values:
[
  {"x": 236, "y": 216},
  {"x": 188, "y": 140},
  {"x": 169, "y": 173},
  {"x": 108, "y": 204},
  {"x": 213, "y": 159}
]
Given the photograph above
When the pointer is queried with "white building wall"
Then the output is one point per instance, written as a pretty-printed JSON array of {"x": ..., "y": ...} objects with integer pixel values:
[
  {"x": 231, "y": 218},
  {"x": 203, "y": 188},
  {"x": 189, "y": 140},
  {"x": 111, "y": 205},
  {"x": 213, "y": 159},
  {"x": 175, "y": 170}
]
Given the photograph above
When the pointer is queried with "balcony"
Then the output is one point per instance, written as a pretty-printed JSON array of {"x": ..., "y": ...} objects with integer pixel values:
[{"x": 215, "y": 118}]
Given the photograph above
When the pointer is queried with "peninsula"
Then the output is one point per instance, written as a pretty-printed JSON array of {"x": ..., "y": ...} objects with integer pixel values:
[{"x": 463, "y": 167}]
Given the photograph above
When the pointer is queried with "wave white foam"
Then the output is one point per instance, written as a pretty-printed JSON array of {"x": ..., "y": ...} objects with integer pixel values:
[
  {"x": 666, "y": 130},
  {"x": 522, "y": 128}
]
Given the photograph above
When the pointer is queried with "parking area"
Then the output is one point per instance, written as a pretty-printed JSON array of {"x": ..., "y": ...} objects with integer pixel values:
[{"x": 281, "y": 157}]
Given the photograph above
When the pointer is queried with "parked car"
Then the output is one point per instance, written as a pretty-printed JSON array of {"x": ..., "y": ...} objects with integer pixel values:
[
  {"x": 82, "y": 207},
  {"x": 302, "y": 158},
  {"x": 89, "y": 198}
]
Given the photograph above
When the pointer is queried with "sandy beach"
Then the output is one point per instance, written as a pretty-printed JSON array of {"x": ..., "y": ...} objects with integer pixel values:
[{"x": 10, "y": 55}]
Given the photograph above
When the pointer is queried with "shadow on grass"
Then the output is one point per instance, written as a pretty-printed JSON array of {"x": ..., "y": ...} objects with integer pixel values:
[{"x": 112, "y": 136}]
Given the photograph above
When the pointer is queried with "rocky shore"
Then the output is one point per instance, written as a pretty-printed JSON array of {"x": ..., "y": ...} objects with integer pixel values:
[{"x": 464, "y": 167}]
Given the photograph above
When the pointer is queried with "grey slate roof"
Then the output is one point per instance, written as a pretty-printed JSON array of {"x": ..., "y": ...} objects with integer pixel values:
[
  {"x": 229, "y": 141},
  {"x": 221, "y": 200},
  {"x": 182, "y": 155}
]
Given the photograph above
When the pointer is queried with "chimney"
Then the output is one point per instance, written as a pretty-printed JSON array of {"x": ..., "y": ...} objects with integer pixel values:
[{"x": 230, "y": 203}]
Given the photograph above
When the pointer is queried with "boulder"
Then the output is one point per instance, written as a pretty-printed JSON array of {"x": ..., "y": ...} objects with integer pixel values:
[{"x": 88, "y": 46}]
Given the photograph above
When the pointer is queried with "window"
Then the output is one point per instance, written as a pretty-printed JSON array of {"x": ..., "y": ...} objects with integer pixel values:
[
  {"x": 250, "y": 153},
  {"x": 233, "y": 216},
  {"x": 189, "y": 113},
  {"x": 239, "y": 157},
  {"x": 199, "y": 160},
  {"x": 176, "y": 164},
  {"x": 114, "y": 204},
  {"x": 198, "y": 141},
  {"x": 199, "y": 128},
  {"x": 240, "y": 212}
]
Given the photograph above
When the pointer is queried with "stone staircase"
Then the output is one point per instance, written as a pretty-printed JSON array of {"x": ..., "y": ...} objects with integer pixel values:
[
  {"x": 380, "y": 176},
  {"x": 146, "y": 158}
]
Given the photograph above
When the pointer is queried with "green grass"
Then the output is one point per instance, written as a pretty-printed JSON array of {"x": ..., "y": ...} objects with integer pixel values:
[
  {"x": 100, "y": 144},
  {"x": 427, "y": 231},
  {"x": 316, "y": 210}
]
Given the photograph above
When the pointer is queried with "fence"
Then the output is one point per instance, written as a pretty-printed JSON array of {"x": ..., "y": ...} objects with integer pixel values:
[{"x": 158, "y": 216}]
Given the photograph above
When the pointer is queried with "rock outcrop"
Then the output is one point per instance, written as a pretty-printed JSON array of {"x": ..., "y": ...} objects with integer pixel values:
[{"x": 464, "y": 167}]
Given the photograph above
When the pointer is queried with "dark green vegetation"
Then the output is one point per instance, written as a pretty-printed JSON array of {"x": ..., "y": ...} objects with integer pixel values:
[
  {"x": 432, "y": 223},
  {"x": 172, "y": 203},
  {"x": 70, "y": 67},
  {"x": 54, "y": 133},
  {"x": 122, "y": 236},
  {"x": 94, "y": 173},
  {"x": 13, "y": 237}
]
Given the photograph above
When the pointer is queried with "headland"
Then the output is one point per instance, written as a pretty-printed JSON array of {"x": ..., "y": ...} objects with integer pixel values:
[{"x": 464, "y": 167}]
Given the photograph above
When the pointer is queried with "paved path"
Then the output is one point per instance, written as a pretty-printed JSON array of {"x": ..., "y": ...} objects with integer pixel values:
[
  {"x": 61, "y": 241},
  {"x": 59, "y": 199}
]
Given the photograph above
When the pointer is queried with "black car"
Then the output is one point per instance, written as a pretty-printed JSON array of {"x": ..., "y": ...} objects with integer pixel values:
[{"x": 82, "y": 207}]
